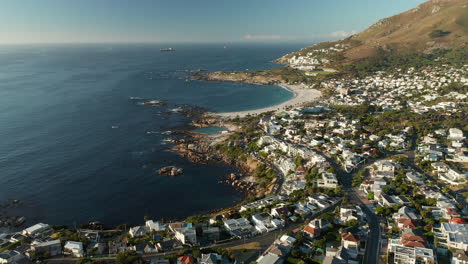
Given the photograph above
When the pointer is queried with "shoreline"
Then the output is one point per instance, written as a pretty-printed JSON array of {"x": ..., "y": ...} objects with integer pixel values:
[{"x": 301, "y": 95}]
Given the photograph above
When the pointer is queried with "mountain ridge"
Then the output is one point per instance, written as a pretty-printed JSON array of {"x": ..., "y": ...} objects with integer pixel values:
[{"x": 435, "y": 24}]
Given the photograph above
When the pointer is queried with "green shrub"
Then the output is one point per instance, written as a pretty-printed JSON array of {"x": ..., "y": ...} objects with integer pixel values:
[{"x": 438, "y": 33}]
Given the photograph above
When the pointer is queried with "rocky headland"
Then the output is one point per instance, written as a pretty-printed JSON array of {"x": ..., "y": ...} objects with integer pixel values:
[{"x": 200, "y": 148}]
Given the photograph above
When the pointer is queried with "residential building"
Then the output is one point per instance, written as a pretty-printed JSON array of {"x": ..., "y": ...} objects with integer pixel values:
[
  {"x": 154, "y": 226},
  {"x": 186, "y": 260},
  {"x": 239, "y": 227},
  {"x": 280, "y": 212},
  {"x": 139, "y": 231},
  {"x": 211, "y": 233},
  {"x": 328, "y": 181},
  {"x": 36, "y": 229},
  {"x": 456, "y": 235},
  {"x": 53, "y": 247},
  {"x": 459, "y": 257},
  {"x": 211, "y": 258},
  {"x": 263, "y": 222},
  {"x": 74, "y": 248},
  {"x": 11, "y": 257},
  {"x": 186, "y": 235},
  {"x": 455, "y": 134},
  {"x": 416, "y": 255},
  {"x": 270, "y": 258}
]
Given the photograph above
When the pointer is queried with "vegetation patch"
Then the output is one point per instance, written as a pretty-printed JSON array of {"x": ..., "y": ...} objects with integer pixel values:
[
  {"x": 390, "y": 59},
  {"x": 439, "y": 33},
  {"x": 462, "y": 20}
]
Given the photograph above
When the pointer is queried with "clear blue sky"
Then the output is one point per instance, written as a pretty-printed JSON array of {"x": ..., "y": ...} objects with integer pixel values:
[{"x": 46, "y": 21}]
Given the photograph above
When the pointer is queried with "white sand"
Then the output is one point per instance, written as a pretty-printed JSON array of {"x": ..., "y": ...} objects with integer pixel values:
[{"x": 301, "y": 95}]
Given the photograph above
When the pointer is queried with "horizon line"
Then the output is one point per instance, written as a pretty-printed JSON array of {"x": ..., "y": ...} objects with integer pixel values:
[{"x": 172, "y": 42}]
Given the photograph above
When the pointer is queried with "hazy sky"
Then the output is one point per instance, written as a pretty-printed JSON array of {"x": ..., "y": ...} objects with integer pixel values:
[{"x": 45, "y": 21}]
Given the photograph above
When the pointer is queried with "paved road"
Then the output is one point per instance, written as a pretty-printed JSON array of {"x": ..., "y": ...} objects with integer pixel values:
[
  {"x": 265, "y": 240},
  {"x": 373, "y": 240},
  {"x": 371, "y": 255},
  {"x": 280, "y": 180}
]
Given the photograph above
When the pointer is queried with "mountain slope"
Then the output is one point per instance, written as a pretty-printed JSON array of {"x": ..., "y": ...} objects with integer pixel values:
[{"x": 435, "y": 24}]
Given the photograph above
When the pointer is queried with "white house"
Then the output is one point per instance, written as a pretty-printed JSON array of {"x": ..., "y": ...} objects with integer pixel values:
[
  {"x": 154, "y": 226},
  {"x": 211, "y": 258},
  {"x": 263, "y": 222},
  {"x": 269, "y": 259},
  {"x": 348, "y": 213},
  {"x": 405, "y": 254},
  {"x": 186, "y": 235},
  {"x": 36, "y": 229},
  {"x": 406, "y": 212},
  {"x": 280, "y": 212},
  {"x": 385, "y": 165},
  {"x": 138, "y": 231},
  {"x": 74, "y": 248},
  {"x": 456, "y": 174},
  {"x": 53, "y": 247},
  {"x": 239, "y": 227},
  {"x": 328, "y": 181},
  {"x": 288, "y": 239},
  {"x": 456, "y": 235},
  {"x": 440, "y": 167},
  {"x": 304, "y": 208},
  {"x": 455, "y": 134}
]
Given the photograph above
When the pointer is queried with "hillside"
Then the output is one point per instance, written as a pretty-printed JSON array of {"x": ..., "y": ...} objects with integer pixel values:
[{"x": 436, "y": 24}]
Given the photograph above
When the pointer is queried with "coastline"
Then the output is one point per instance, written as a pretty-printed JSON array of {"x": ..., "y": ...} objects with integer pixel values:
[{"x": 302, "y": 95}]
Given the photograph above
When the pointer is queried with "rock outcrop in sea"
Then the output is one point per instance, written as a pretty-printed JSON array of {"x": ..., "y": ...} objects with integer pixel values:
[{"x": 170, "y": 171}]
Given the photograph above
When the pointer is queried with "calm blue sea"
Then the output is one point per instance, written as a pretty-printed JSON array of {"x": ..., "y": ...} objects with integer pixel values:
[{"x": 75, "y": 148}]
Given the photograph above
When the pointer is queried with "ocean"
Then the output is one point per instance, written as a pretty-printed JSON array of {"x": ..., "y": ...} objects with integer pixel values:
[{"x": 74, "y": 146}]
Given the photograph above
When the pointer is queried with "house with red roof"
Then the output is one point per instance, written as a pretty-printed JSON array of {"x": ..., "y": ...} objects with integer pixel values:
[
  {"x": 458, "y": 220},
  {"x": 311, "y": 231},
  {"x": 451, "y": 213},
  {"x": 315, "y": 226},
  {"x": 186, "y": 260},
  {"x": 408, "y": 239},
  {"x": 300, "y": 169},
  {"x": 350, "y": 240},
  {"x": 406, "y": 223}
]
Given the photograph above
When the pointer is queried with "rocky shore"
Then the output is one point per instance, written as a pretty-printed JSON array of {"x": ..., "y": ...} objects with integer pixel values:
[
  {"x": 200, "y": 148},
  {"x": 236, "y": 181},
  {"x": 8, "y": 221}
]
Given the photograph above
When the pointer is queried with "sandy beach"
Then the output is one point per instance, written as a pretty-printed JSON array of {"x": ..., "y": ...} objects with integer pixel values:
[{"x": 302, "y": 95}]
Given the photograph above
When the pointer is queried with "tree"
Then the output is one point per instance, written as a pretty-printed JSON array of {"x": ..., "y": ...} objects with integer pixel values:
[
  {"x": 129, "y": 257},
  {"x": 196, "y": 252},
  {"x": 352, "y": 222},
  {"x": 401, "y": 159},
  {"x": 381, "y": 210},
  {"x": 253, "y": 146},
  {"x": 196, "y": 219},
  {"x": 299, "y": 161},
  {"x": 387, "y": 189}
]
